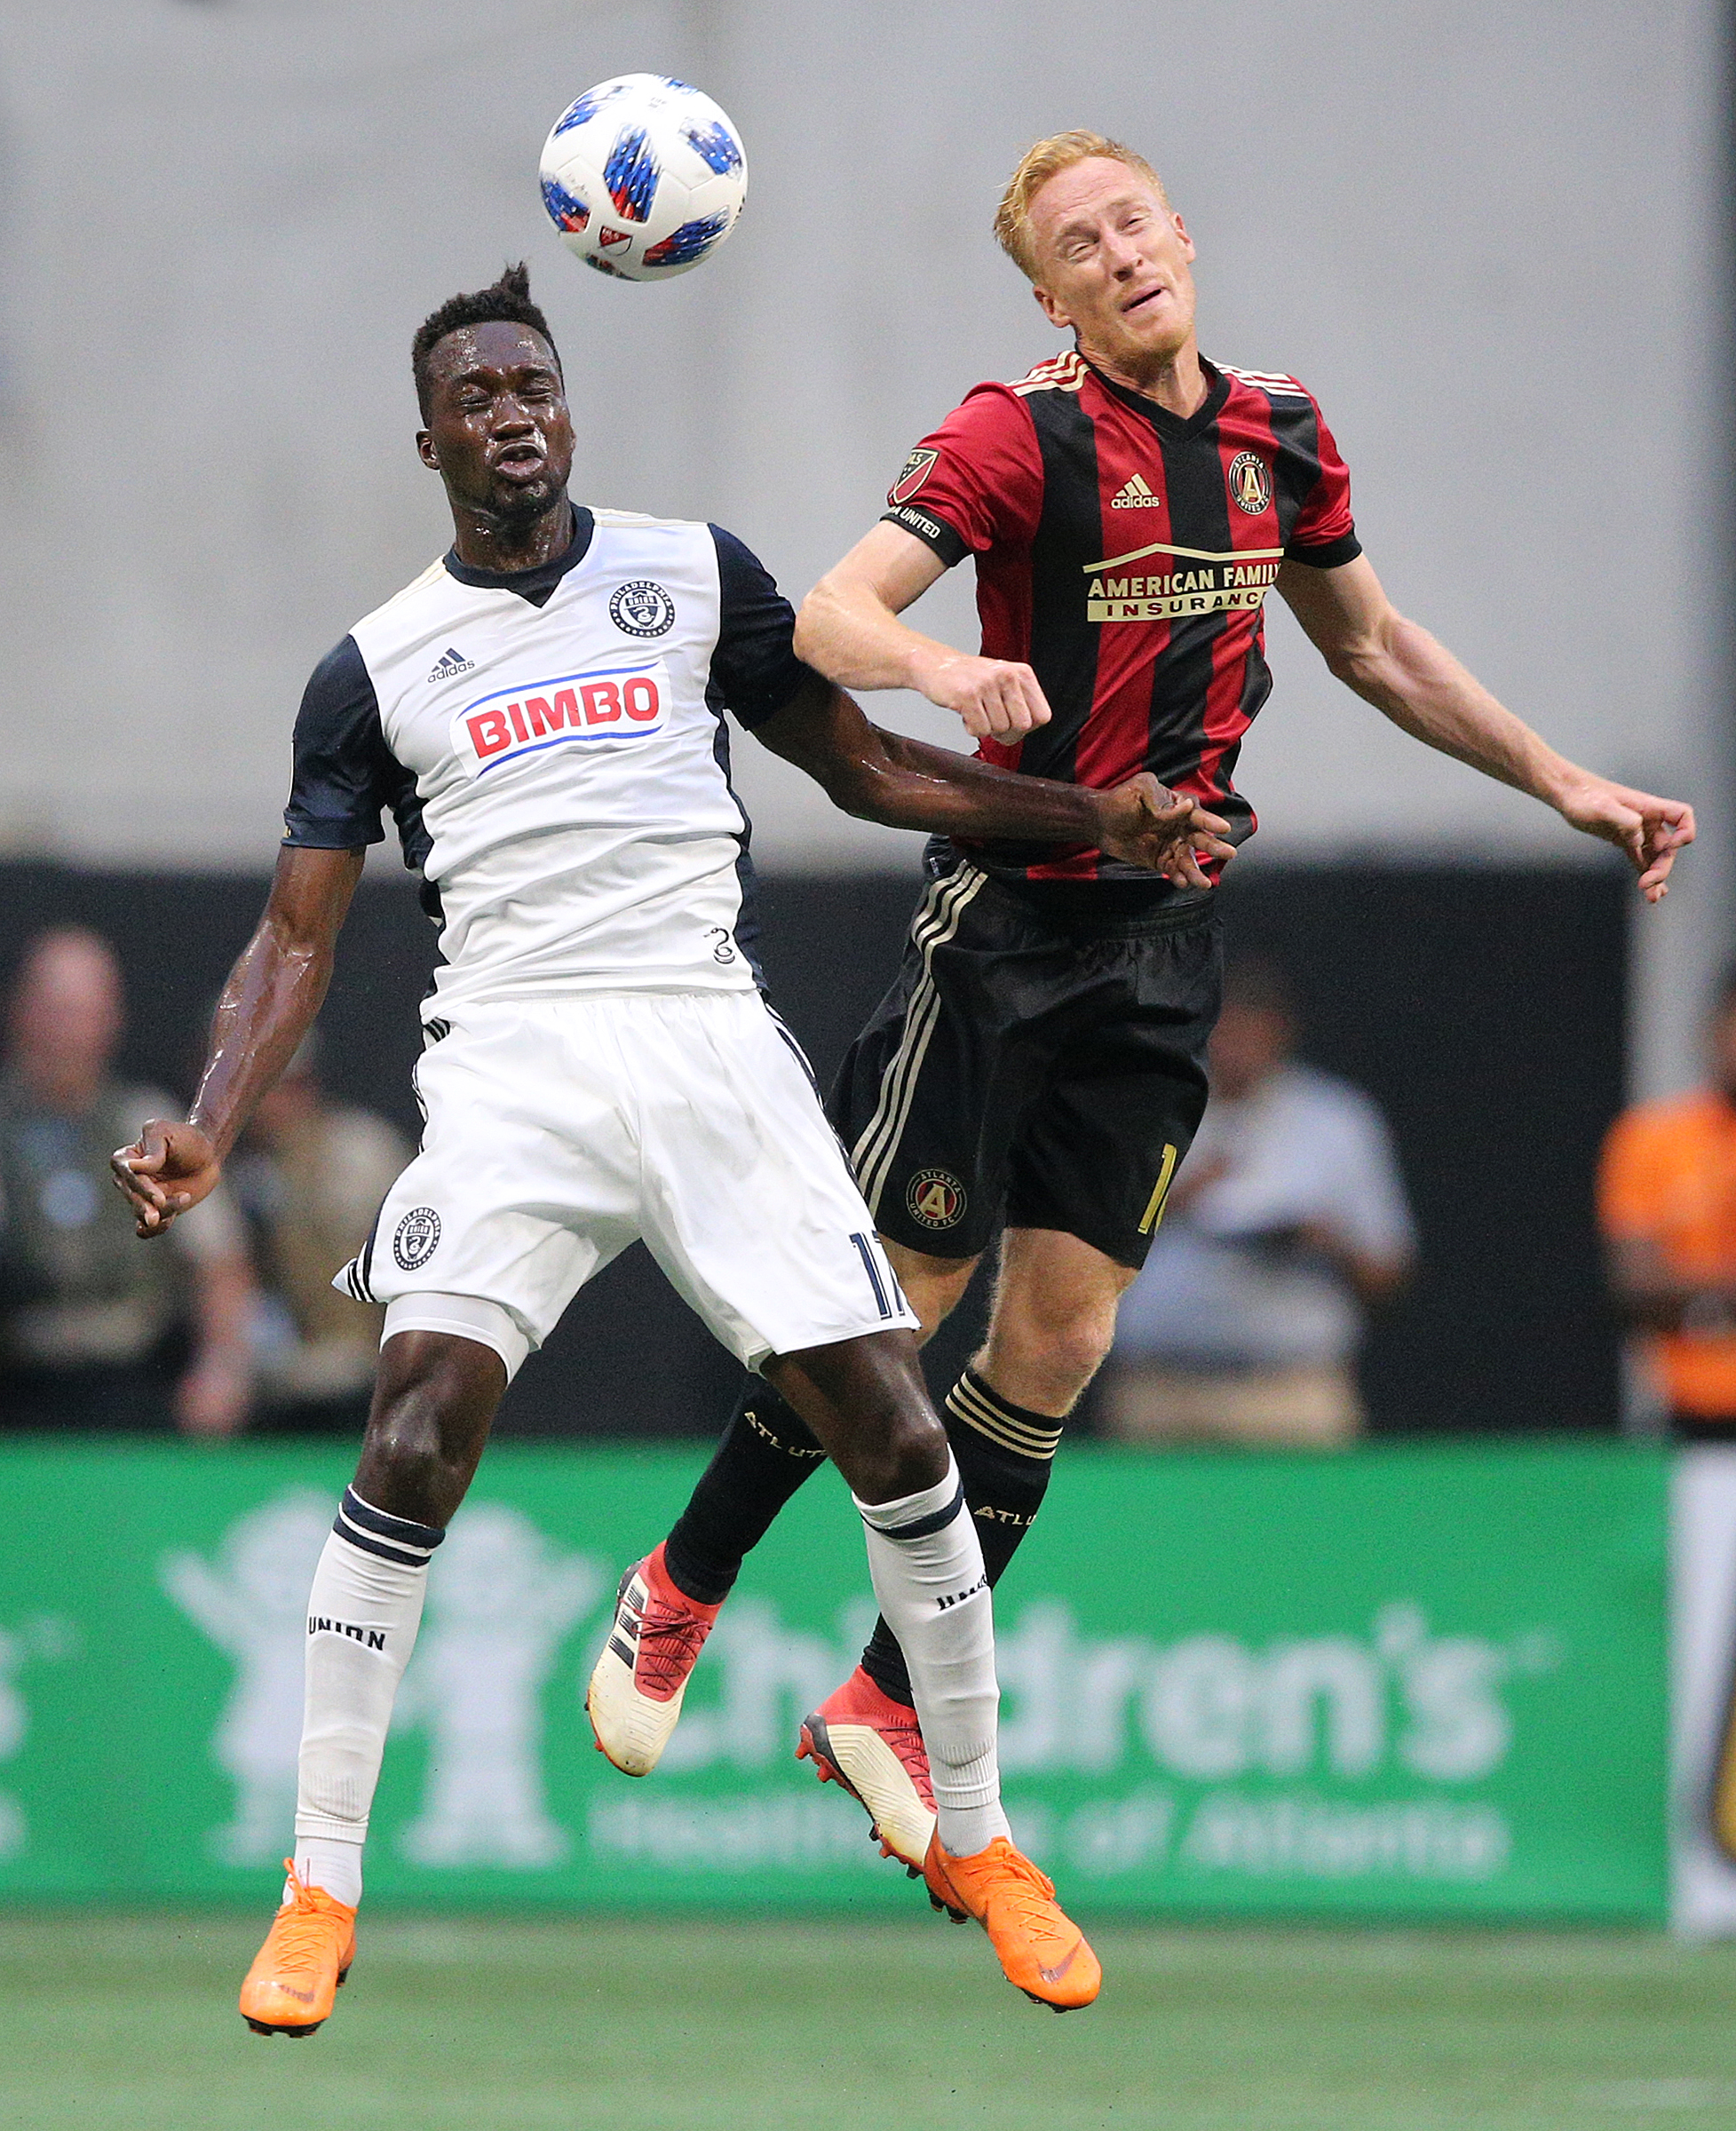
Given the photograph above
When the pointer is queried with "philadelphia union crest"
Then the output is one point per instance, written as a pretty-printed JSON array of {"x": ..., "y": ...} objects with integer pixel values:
[
  {"x": 936, "y": 1198},
  {"x": 414, "y": 1239},
  {"x": 1250, "y": 483},
  {"x": 642, "y": 609}
]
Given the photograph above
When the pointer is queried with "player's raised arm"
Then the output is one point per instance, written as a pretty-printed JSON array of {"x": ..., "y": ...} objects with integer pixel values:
[
  {"x": 269, "y": 1005},
  {"x": 849, "y": 629},
  {"x": 1416, "y": 682},
  {"x": 883, "y": 777}
]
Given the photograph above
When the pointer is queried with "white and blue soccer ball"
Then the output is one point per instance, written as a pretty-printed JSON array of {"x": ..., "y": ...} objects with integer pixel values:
[{"x": 643, "y": 177}]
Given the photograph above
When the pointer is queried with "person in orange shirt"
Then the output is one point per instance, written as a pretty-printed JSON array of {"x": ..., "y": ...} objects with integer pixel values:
[{"x": 1667, "y": 1202}]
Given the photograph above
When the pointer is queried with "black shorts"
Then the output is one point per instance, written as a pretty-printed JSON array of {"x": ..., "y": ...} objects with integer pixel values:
[{"x": 1041, "y": 1069}]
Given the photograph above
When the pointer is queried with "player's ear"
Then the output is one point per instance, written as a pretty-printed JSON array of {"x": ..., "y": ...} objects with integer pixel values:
[
  {"x": 1187, "y": 251},
  {"x": 425, "y": 452},
  {"x": 1055, "y": 312}
]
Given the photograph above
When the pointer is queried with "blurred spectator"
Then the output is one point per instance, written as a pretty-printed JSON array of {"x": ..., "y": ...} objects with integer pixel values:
[
  {"x": 309, "y": 1176},
  {"x": 1287, "y": 1220},
  {"x": 87, "y": 1311},
  {"x": 1667, "y": 1200}
]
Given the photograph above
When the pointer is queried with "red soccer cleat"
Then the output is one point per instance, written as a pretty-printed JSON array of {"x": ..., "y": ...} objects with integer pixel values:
[
  {"x": 634, "y": 1698},
  {"x": 873, "y": 1746}
]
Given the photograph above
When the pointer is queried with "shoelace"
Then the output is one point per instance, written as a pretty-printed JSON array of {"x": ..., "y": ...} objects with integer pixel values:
[
  {"x": 667, "y": 1643},
  {"x": 906, "y": 1742},
  {"x": 302, "y": 1931},
  {"x": 1028, "y": 1891}
]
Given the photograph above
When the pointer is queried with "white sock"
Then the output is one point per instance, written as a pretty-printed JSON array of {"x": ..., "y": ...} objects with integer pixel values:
[
  {"x": 334, "y": 1867},
  {"x": 926, "y": 1563},
  {"x": 362, "y": 1615}
]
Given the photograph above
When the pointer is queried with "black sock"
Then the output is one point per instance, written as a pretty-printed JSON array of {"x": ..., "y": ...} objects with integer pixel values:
[
  {"x": 766, "y": 1455},
  {"x": 1005, "y": 1453}
]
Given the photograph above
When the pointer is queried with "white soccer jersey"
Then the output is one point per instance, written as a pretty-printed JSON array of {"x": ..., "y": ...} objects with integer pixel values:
[{"x": 552, "y": 746}]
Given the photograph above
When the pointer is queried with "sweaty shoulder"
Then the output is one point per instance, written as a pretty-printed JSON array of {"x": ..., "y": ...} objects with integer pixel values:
[
  {"x": 976, "y": 482},
  {"x": 1311, "y": 469}
]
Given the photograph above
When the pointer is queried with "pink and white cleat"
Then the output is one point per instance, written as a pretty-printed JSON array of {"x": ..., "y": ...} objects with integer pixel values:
[
  {"x": 873, "y": 1746},
  {"x": 634, "y": 1698}
]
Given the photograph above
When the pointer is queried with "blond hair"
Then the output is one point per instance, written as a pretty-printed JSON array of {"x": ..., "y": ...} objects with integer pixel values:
[{"x": 1045, "y": 160}]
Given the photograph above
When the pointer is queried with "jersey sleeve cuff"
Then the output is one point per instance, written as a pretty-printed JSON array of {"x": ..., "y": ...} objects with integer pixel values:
[
  {"x": 1327, "y": 554},
  {"x": 331, "y": 835},
  {"x": 933, "y": 533}
]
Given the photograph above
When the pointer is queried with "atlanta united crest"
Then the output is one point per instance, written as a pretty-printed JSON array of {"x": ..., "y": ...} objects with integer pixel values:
[
  {"x": 414, "y": 1239},
  {"x": 936, "y": 1198},
  {"x": 912, "y": 474},
  {"x": 1250, "y": 483},
  {"x": 642, "y": 609}
]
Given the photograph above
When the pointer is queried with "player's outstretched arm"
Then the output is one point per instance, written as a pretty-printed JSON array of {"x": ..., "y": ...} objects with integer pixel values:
[
  {"x": 883, "y": 777},
  {"x": 849, "y": 629},
  {"x": 269, "y": 1005},
  {"x": 1422, "y": 688}
]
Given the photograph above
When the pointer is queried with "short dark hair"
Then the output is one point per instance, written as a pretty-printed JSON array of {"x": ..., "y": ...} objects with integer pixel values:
[{"x": 507, "y": 299}]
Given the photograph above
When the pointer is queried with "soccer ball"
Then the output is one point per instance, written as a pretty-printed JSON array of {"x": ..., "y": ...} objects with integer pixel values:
[{"x": 643, "y": 177}]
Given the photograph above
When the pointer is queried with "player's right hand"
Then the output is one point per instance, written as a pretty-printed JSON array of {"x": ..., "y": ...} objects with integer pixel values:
[
  {"x": 1144, "y": 823},
  {"x": 168, "y": 1169},
  {"x": 998, "y": 698}
]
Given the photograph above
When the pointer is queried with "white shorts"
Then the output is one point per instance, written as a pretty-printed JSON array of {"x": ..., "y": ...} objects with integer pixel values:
[{"x": 559, "y": 1131}]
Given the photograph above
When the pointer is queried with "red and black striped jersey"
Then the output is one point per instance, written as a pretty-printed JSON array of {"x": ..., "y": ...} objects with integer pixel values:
[{"x": 1125, "y": 553}]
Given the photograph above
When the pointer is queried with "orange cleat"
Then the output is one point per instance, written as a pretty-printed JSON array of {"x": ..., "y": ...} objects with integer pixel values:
[
  {"x": 873, "y": 1746},
  {"x": 307, "y": 1954},
  {"x": 1039, "y": 1948}
]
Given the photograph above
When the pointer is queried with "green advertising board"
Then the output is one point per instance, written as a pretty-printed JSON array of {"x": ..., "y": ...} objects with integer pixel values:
[{"x": 1396, "y": 1682}]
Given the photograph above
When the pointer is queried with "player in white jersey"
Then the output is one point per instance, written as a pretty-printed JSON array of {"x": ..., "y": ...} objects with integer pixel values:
[{"x": 542, "y": 711}]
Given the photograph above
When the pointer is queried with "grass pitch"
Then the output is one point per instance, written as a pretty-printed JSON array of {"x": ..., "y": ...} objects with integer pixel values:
[{"x": 127, "y": 2024}]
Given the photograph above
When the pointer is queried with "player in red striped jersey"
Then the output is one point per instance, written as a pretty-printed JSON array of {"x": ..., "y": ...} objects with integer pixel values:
[{"x": 1041, "y": 1060}]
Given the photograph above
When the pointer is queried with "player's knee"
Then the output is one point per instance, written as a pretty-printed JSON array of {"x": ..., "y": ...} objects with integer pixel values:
[
  {"x": 1061, "y": 1352},
  {"x": 426, "y": 1431},
  {"x": 910, "y": 1455}
]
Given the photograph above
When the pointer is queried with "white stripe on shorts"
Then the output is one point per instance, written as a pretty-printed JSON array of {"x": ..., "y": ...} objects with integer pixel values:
[{"x": 936, "y": 923}]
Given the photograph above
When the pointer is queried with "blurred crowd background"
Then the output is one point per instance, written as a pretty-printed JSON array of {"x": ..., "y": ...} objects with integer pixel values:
[{"x": 1471, "y": 1159}]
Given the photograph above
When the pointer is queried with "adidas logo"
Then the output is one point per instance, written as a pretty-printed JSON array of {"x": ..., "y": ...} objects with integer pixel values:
[
  {"x": 1136, "y": 496},
  {"x": 451, "y": 665}
]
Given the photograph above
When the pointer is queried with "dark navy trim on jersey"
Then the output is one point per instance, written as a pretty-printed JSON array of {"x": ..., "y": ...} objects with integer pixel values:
[
  {"x": 747, "y": 881},
  {"x": 1330, "y": 555},
  {"x": 535, "y": 585},
  {"x": 933, "y": 532},
  {"x": 755, "y": 663},
  {"x": 345, "y": 773}
]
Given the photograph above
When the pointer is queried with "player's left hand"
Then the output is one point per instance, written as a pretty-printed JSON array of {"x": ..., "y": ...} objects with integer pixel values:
[
  {"x": 1145, "y": 824},
  {"x": 1650, "y": 830}
]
